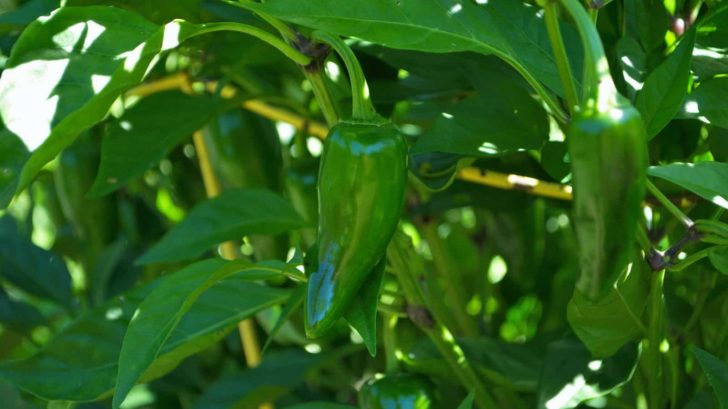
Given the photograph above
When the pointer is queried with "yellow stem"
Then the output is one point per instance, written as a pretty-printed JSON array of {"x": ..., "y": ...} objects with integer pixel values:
[
  {"x": 246, "y": 328},
  {"x": 471, "y": 174}
]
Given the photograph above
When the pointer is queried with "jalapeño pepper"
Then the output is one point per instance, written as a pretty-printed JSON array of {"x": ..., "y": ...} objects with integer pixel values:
[
  {"x": 361, "y": 185},
  {"x": 361, "y": 193},
  {"x": 397, "y": 391}
]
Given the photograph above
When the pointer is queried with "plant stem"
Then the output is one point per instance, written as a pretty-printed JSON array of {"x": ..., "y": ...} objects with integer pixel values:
[
  {"x": 315, "y": 75},
  {"x": 259, "y": 33},
  {"x": 248, "y": 337},
  {"x": 407, "y": 265},
  {"x": 674, "y": 210},
  {"x": 361, "y": 105},
  {"x": 562, "y": 59},
  {"x": 389, "y": 337},
  {"x": 450, "y": 274},
  {"x": 653, "y": 357}
]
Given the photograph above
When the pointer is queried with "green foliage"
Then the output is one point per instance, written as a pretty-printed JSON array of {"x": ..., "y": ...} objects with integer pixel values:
[{"x": 141, "y": 141}]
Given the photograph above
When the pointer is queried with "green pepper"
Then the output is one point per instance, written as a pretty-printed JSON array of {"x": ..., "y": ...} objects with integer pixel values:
[
  {"x": 397, "y": 391},
  {"x": 361, "y": 186},
  {"x": 608, "y": 151}
]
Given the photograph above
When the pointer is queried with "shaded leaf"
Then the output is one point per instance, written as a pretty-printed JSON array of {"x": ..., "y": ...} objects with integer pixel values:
[
  {"x": 275, "y": 376},
  {"x": 320, "y": 405},
  {"x": 146, "y": 133},
  {"x": 292, "y": 304},
  {"x": 27, "y": 12},
  {"x": 19, "y": 315},
  {"x": 719, "y": 258},
  {"x": 570, "y": 374},
  {"x": 161, "y": 311},
  {"x": 717, "y": 373},
  {"x": 80, "y": 362},
  {"x": 13, "y": 155},
  {"x": 708, "y": 180},
  {"x": 658, "y": 103},
  {"x": 230, "y": 216},
  {"x": 710, "y": 101},
  {"x": 31, "y": 268},
  {"x": 511, "y": 30}
]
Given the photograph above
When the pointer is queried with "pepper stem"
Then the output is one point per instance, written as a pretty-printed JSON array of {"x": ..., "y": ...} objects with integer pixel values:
[
  {"x": 361, "y": 105},
  {"x": 598, "y": 86}
]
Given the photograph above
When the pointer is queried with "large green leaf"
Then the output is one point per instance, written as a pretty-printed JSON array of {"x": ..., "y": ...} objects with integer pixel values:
[
  {"x": 146, "y": 133},
  {"x": 13, "y": 155},
  {"x": 570, "y": 375},
  {"x": 719, "y": 258},
  {"x": 17, "y": 314},
  {"x": 710, "y": 101},
  {"x": 658, "y": 103},
  {"x": 31, "y": 268},
  {"x": 706, "y": 179},
  {"x": 66, "y": 70},
  {"x": 508, "y": 29},
  {"x": 80, "y": 362},
  {"x": 161, "y": 311},
  {"x": 717, "y": 373},
  {"x": 232, "y": 215}
]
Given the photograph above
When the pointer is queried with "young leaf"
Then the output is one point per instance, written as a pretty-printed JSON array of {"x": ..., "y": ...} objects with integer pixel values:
[
  {"x": 706, "y": 179},
  {"x": 80, "y": 362},
  {"x": 31, "y": 268},
  {"x": 161, "y": 311},
  {"x": 658, "y": 103},
  {"x": 232, "y": 215},
  {"x": 717, "y": 373},
  {"x": 362, "y": 314},
  {"x": 146, "y": 133}
]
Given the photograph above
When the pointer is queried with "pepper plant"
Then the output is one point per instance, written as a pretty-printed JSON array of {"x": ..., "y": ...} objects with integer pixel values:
[{"x": 371, "y": 203}]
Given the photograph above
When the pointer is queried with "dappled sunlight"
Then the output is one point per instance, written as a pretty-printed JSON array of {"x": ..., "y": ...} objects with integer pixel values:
[
  {"x": 456, "y": 8},
  {"x": 488, "y": 148},
  {"x": 171, "y": 37},
  {"x": 568, "y": 395}
]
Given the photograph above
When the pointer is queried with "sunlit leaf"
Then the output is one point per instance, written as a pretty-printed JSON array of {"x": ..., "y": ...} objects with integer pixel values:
[{"x": 706, "y": 179}]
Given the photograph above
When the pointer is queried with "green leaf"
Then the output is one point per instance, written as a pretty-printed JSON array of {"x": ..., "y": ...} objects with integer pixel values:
[
  {"x": 719, "y": 258},
  {"x": 13, "y": 155},
  {"x": 556, "y": 161},
  {"x": 18, "y": 315},
  {"x": 658, "y": 103},
  {"x": 161, "y": 311},
  {"x": 292, "y": 304},
  {"x": 29, "y": 11},
  {"x": 146, "y": 133},
  {"x": 717, "y": 373},
  {"x": 362, "y": 314},
  {"x": 467, "y": 403},
  {"x": 710, "y": 101},
  {"x": 500, "y": 119},
  {"x": 31, "y": 268},
  {"x": 80, "y": 362},
  {"x": 570, "y": 375},
  {"x": 604, "y": 326},
  {"x": 706, "y": 179},
  {"x": 511, "y": 30},
  {"x": 67, "y": 69},
  {"x": 232, "y": 215},
  {"x": 276, "y": 375}
]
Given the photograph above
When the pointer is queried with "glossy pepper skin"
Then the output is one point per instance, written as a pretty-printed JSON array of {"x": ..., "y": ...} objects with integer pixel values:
[
  {"x": 397, "y": 391},
  {"x": 608, "y": 149},
  {"x": 361, "y": 185}
]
